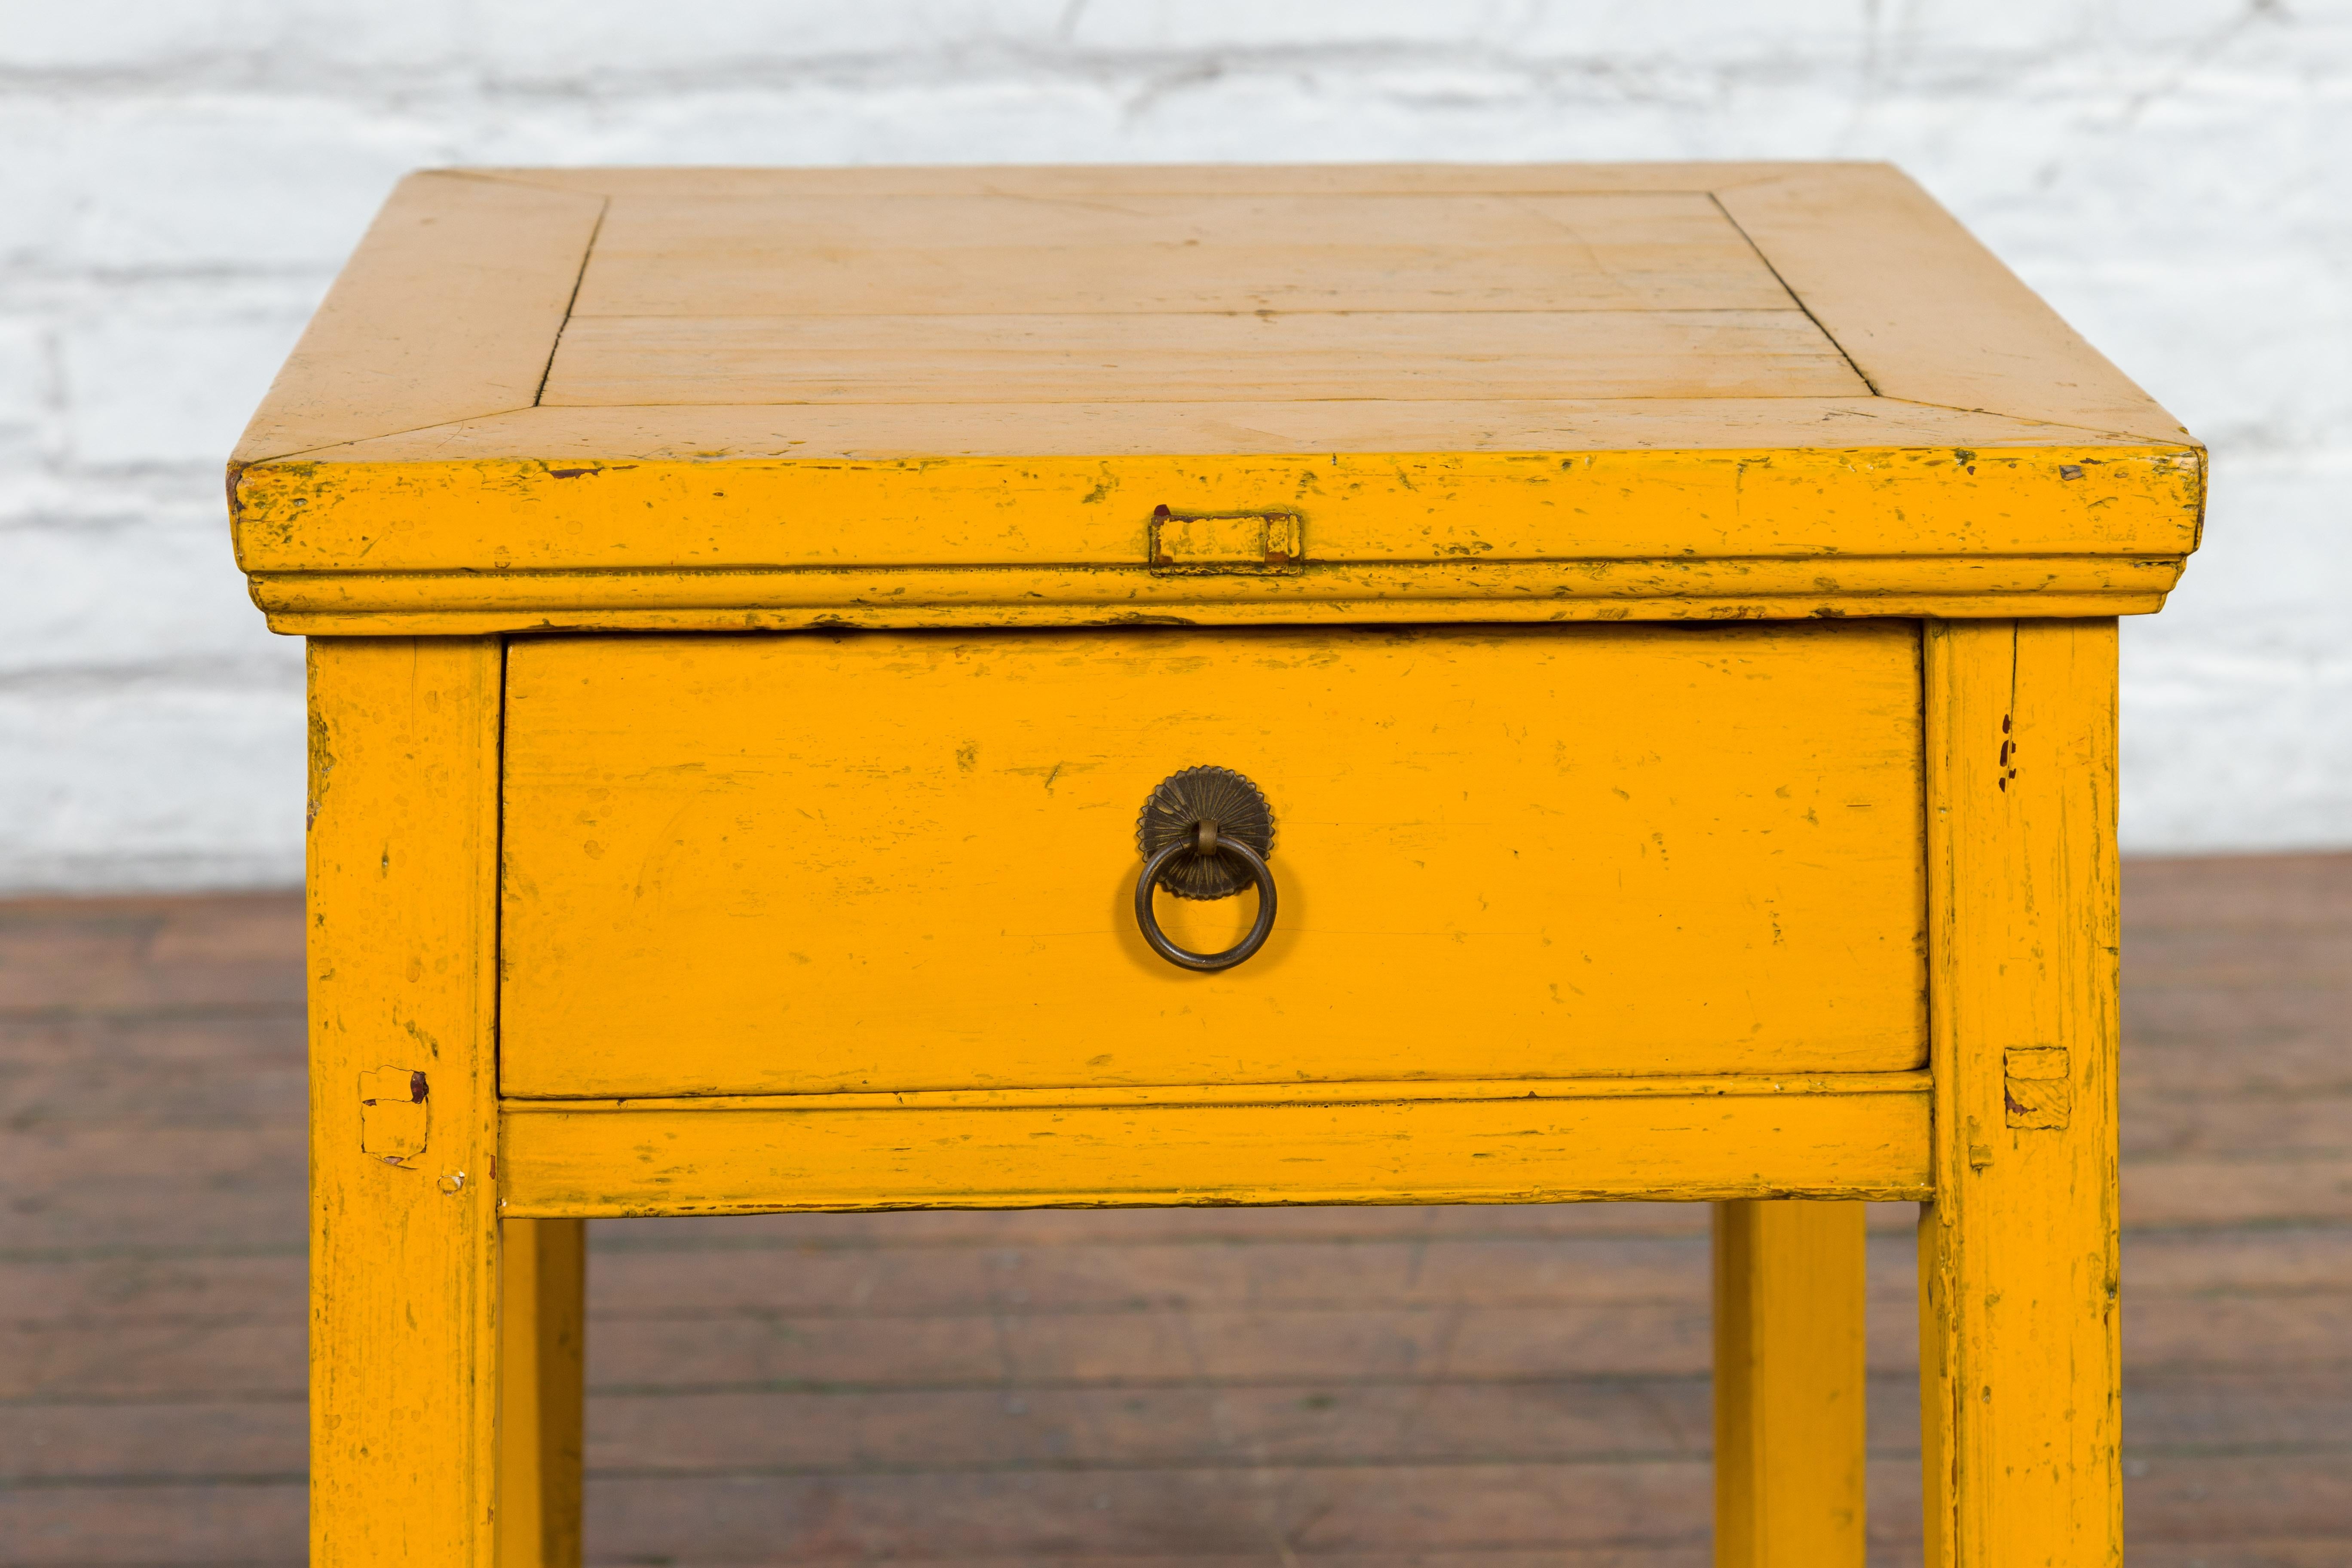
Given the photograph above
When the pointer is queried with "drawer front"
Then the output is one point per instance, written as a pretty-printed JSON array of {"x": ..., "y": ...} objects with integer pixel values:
[{"x": 874, "y": 861}]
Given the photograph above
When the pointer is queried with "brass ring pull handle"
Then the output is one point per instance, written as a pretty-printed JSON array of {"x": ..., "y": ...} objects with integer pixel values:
[
  {"x": 1195, "y": 828},
  {"x": 1185, "y": 958}
]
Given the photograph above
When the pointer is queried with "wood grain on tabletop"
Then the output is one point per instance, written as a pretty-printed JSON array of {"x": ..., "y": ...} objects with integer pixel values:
[
  {"x": 1589, "y": 364},
  {"x": 1844, "y": 251},
  {"x": 736, "y": 359},
  {"x": 384, "y": 354},
  {"x": 1170, "y": 256},
  {"x": 1453, "y": 1388}
]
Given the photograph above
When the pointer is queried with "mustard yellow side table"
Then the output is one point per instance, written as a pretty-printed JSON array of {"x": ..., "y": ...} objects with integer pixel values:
[{"x": 960, "y": 689}]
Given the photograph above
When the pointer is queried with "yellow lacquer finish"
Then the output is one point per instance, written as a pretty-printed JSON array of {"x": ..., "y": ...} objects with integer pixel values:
[
  {"x": 542, "y": 1343},
  {"x": 404, "y": 1258},
  {"x": 621, "y": 400},
  {"x": 2019, "y": 1265},
  {"x": 1861, "y": 1136},
  {"x": 2066, "y": 499},
  {"x": 775, "y": 865},
  {"x": 1789, "y": 1375},
  {"x": 1385, "y": 486}
]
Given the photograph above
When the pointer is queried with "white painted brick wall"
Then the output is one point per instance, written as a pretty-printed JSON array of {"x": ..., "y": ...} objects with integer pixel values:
[{"x": 180, "y": 178}]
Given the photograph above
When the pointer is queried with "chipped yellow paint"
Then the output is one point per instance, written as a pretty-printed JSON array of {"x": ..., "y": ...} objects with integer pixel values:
[
  {"x": 534, "y": 516},
  {"x": 847, "y": 908},
  {"x": 1634, "y": 534},
  {"x": 2018, "y": 1255},
  {"x": 1854, "y": 1140},
  {"x": 1221, "y": 542},
  {"x": 1358, "y": 1091},
  {"x": 894, "y": 861},
  {"x": 1337, "y": 612},
  {"x": 465, "y": 603},
  {"x": 404, "y": 1257}
]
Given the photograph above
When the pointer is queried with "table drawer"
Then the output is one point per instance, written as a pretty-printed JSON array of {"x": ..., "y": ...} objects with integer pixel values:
[{"x": 806, "y": 863}]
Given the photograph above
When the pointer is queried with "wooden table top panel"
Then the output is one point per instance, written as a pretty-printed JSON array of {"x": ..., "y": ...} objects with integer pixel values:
[
  {"x": 1143, "y": 358},
  {"x": 1143, "y": 298},
  {"x": 503, "y": 333},
  {"x": 1858, "y": 247},
  {"x": 966, "y": 255},
  {"x": 444, "y": 313}
]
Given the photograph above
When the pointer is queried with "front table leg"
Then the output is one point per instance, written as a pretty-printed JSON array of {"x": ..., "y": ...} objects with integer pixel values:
[
  {"x": 1788, "y": 1385},
  {"x": 404, "y": 1272},
  {"x": 2018, "y": 1346},
  {"x": 542, "y": 1296}
]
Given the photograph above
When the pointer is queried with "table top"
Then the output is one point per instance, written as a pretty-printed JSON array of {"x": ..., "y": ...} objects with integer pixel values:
[{"x": 575, "y": 374}]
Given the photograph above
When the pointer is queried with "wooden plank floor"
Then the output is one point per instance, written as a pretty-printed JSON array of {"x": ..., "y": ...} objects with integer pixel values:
[{"x": 1456, "y": 1388}]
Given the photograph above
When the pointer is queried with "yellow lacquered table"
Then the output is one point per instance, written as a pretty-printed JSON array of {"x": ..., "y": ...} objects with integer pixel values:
[{"x": 1664, "y": 618}]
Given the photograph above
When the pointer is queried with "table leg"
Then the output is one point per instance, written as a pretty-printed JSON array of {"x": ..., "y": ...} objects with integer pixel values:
[
  {"x": 2018, "y": 1348},
  {"x": 1788, "y": 1385},
  {"x": 542, "y": 1301},
  {"x": 404, "y": 1229}
]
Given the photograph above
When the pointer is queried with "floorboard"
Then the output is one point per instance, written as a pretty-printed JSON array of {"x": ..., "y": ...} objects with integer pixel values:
[{"x": 1350, "y": 1388}]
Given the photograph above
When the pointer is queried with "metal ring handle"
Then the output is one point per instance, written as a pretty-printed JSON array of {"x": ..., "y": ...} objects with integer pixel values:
[{"x": 1184, "y": 958}]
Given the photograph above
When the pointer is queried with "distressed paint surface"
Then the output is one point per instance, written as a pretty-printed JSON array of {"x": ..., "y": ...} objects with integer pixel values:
[
  {"x": 2018, "y": 1253},
  {"x": 861, "y": 893},
  {"x": 1219, "y": 593},
  {"x": 1860, "y": 1142},
  {"x": 1356, "y": 1091},
  {"x": 1768, "y": 370},
  {"x": 902, "y": 862},
  {"x": 883, "y": 614},
  {"x": 1358, "y": 506},
  {"x": 404, "y": 1257}
]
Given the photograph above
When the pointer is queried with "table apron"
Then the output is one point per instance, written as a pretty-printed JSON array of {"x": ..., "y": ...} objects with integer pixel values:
[{"x": 1310, "y": 1144}]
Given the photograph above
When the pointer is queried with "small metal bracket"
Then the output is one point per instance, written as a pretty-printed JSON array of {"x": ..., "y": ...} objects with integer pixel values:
[{"x": 1248, "y": 543}]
